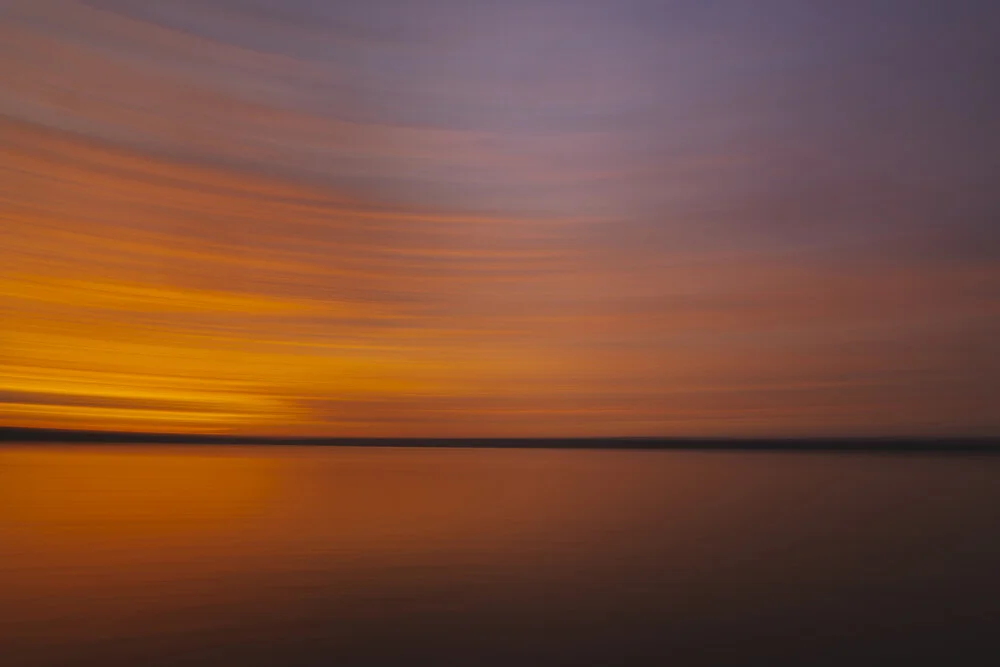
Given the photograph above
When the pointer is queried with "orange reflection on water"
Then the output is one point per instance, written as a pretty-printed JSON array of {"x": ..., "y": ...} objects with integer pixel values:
[
  {"x": 173, "y": 541},
  {"x": 125, "y": 538},
  {"x": 95, "y": 495},
  {"x": 132, "y": 505}
]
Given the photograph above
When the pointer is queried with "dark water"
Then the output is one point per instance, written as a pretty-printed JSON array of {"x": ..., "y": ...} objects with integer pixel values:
[{"x": 286, "y": 556}]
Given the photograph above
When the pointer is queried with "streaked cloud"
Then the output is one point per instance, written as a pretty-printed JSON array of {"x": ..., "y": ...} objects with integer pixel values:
[{"x": 540, "y": 217}]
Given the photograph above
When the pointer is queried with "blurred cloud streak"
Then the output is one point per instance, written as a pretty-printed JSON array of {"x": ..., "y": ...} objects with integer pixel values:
[{"x": 538, "y": 217}]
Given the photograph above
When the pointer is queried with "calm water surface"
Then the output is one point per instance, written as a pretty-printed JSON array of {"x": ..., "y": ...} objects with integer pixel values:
[{"x": 287, "y": 556}]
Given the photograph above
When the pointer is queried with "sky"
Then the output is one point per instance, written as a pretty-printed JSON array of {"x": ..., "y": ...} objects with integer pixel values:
[{"x": 522, "y": 218}]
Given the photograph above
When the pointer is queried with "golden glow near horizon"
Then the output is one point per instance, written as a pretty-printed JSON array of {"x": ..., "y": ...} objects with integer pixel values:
[
  {"x": 345, "y": 223},
  {"x": 121, "y": 315}
]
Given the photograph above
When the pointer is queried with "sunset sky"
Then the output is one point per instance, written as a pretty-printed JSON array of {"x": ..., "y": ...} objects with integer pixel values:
[{"x": 501, "y": 217}]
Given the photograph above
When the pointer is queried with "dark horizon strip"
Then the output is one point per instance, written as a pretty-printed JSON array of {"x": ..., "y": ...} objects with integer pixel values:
[{"x": 854, "y": 444}]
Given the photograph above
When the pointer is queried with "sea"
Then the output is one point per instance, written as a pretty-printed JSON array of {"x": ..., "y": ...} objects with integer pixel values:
[{"x": 185, "y": 555}]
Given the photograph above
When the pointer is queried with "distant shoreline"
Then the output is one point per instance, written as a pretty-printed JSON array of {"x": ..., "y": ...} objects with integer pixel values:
[{"x": 880, "y": 444}]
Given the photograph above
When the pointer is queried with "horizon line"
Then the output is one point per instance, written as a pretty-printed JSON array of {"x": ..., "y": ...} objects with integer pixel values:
[{"x": 861, "y": 442}]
